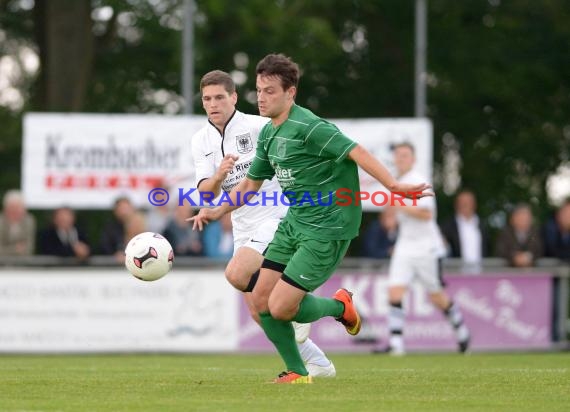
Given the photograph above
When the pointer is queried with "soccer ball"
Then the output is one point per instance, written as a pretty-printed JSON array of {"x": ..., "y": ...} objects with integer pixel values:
[{"x": 148, "y": 256}]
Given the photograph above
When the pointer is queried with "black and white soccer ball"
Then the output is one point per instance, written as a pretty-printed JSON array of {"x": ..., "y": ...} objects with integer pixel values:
[{"x": 149, "y": 256}]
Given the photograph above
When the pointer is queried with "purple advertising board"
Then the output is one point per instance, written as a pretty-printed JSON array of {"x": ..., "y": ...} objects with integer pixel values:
[{"x": 503, "y": 312}]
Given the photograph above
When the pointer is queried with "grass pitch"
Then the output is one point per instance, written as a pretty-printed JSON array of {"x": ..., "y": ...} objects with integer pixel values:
[{"x": 506, "y": 382}]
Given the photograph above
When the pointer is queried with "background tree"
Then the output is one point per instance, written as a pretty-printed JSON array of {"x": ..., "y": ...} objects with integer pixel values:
[
  {"x": 65, "y": 41},
  {"x": 501, "y": 94}
]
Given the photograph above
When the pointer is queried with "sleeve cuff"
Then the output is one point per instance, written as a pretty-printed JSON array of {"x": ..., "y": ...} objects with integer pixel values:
[{"x": 346, "y": 152}]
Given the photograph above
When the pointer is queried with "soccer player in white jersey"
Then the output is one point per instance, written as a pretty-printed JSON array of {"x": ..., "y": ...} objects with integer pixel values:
[
  {"x": 223, "y": 151},
  {"x": 417, "y": 254}
]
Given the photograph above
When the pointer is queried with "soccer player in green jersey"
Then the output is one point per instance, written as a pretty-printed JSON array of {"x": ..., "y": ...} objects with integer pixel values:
[{"x": 312, "y": 159}]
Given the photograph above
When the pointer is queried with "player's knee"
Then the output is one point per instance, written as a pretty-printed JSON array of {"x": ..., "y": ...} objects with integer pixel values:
[
  {"x": 396, "y": 295},
  {"x": 235, "y": 278},
  {"x": 282, "y": 314},
  {"x": 281, "y": 311},
  {"x": 439, "y": 299}
]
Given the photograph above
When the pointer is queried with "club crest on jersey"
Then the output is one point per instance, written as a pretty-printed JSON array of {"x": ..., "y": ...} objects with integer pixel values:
[
  {"x": 281, "y": 148},
  {"x": 244, "y": 143}
]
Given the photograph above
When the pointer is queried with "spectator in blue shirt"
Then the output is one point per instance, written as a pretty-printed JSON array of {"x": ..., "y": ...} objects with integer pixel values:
[
  {"x": 380, "y": 236},
  {"x": 218, "y": 239}
]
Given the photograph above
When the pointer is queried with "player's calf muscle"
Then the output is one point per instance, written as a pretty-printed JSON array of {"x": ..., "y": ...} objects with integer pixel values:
[{"x": 262, "y": 291}]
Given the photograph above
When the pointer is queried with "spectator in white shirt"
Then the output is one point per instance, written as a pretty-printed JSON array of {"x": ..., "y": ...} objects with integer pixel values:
[
  {"x": 17, "y": 226},
  {"x": 465, "y": 233}
]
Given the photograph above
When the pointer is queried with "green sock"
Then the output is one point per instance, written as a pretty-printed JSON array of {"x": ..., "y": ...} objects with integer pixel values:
[
  {"x": 313, "y": 308},
  {"x": 282, "y": 335}
]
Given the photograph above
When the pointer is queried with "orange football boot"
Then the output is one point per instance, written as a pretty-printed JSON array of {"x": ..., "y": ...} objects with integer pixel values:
[{"x": 350, "y": 317}]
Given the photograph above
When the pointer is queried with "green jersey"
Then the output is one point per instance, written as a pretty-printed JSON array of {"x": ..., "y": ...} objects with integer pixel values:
[{"x": 309, "y": 157}]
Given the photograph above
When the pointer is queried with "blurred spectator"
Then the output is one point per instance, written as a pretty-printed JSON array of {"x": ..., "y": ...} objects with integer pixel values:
[
  {"x": 113, "y": 240},
  {"x": 557, "y": 233},
  {"x": 157, "y": 218},
  {"x": 465, "y": 233},
  {"x": 520, "y": 241},
  {"x": 17, "y": 226},
  {"x": 134, "y": 225},
  {"x": 380, "y": 235},
  {"x": 184, "y": 240},
  {"x": 218, "y": 238},
  {"x": 63, "y": 238}
]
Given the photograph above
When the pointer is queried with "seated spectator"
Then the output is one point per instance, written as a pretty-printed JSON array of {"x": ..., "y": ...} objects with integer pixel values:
[
  {"x": 17, "y": 226},
  {"x": 63, "y": 238},
  {"x": 520, "y": 242},
  {"x": 218, "y": 238},
  {"x": 465, "y": 233},
  {"x": 557, "y": 234},
  {"x": 380, "y": 236},
  {"x": 113, "y": 240},
  {"x": 184, "y": 240}
]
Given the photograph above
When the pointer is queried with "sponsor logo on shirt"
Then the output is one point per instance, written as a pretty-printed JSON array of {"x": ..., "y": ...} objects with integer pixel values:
[{"x": 285, "y": 177}]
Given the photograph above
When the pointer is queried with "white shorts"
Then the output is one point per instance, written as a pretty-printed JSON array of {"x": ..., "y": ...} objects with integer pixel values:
[
  {"x": 257, "y": 239},
  {"x": 426, "y": 269}
]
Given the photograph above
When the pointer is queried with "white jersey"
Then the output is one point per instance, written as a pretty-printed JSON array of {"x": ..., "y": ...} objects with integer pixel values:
[
  {"x": 240, "y": 136},
  {"x": 418, "y": 237}
]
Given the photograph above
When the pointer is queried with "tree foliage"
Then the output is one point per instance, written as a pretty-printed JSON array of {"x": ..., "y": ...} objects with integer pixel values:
[{"x": 501, "y": 91}]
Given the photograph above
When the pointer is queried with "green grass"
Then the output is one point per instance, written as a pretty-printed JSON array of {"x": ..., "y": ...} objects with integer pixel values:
[{"x": 506, "y": 382}]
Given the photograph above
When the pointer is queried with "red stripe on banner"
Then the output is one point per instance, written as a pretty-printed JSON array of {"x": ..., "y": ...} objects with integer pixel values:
[{"x": 97, "y": 182}]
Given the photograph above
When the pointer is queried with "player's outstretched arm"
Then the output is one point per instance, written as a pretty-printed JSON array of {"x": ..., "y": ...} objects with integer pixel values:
[
  {"x": 237, "y": 199},
  {"x": 377, "y": 170}
]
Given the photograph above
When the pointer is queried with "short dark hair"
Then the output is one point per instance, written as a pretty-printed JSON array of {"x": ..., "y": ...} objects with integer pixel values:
[
  {"x": 521, "y": 206},
  {"x": 280, "y": 66},
  {"x": 61, "y": 209},
  {"x": 121, "y": 199},
  {"x": 218, "y": 78},
  {"x": 465, "y": 191},
  {"x": 404, "y": 144}
]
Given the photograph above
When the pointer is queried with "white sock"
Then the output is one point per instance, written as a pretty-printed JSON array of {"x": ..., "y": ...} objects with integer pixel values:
[
  {"x": 311, "y": 353},
  {"x": 396, "y": 319},
  {"x": 462, "y": 333},
  {"x": 455, "y": 317},
  {"x": 396, "y": 343}
]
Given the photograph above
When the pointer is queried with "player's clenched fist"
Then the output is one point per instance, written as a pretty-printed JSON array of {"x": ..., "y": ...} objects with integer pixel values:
[{"x": 226, "y": 166}]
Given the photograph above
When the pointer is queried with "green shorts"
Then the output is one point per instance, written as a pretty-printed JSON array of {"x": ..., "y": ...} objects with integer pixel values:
[{"x": 309, "y": 262}]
